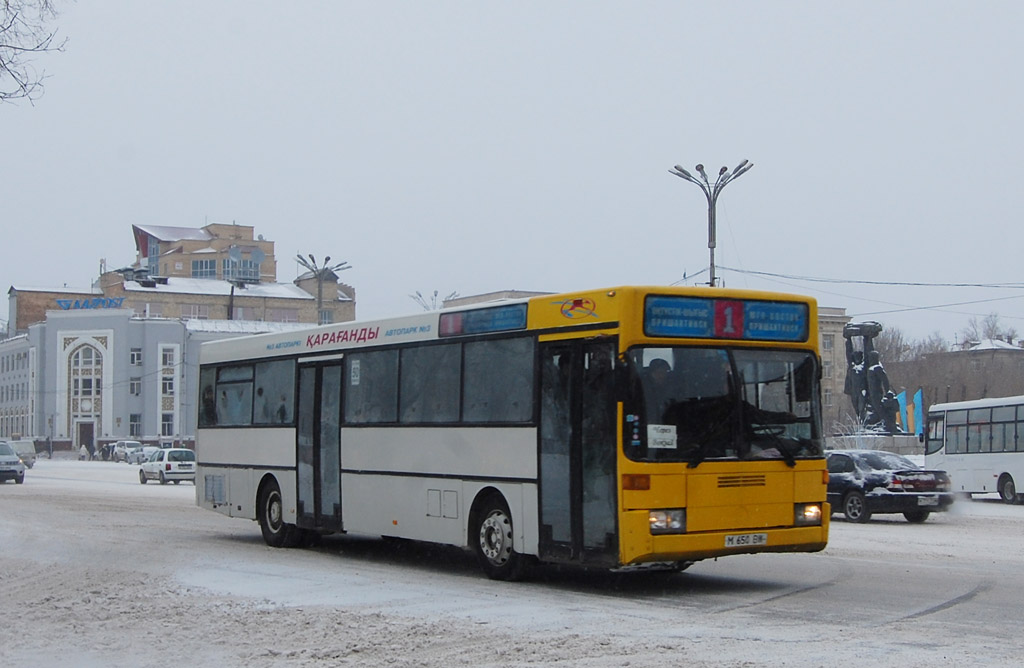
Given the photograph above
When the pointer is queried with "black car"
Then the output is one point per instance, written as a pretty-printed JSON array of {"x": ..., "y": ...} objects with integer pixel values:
[{"x": 865, "y": 482}]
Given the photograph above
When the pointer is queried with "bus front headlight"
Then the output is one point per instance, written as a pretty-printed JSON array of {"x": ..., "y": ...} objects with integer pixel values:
[
  {"x": 668, "y": 521},
  {"x": 807, "y": 514}
]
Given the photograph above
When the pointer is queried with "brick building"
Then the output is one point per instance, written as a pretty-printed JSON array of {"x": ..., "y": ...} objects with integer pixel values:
[
  {"x": 979, "y": 370},
  {"x": 119, "y": 359},
  {"x": 217, "y": 250}
]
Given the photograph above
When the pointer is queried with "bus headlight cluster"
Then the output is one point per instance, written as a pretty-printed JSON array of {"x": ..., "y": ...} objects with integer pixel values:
[
  {"x": 807, "y": 514},
  {"x": 668, "y": 521}
]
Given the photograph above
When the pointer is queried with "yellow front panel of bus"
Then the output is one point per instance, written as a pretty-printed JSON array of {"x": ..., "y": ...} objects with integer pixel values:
[{"x": 737, "y": 498}]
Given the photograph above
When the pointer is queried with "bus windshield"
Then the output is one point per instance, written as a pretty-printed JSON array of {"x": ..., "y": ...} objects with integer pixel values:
[{"x": 693, "y": 404}]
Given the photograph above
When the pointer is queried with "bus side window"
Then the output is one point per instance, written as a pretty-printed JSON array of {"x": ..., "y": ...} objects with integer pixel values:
[
  {"x": 234, "y": 395},
  {"x": 208, "y": 398},
  {"x": 275, "y": 392},
  {"x": 371, "y": 387}
]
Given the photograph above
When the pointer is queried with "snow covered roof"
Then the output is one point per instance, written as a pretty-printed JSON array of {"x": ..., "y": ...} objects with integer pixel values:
[
  {"x": 993, "y": 344},
  {"x": 65, "y": 289},
  {"x": 167, "y": 233},
  {"x": 210, "y": 286},
  {"x": 243, "y": 326}
]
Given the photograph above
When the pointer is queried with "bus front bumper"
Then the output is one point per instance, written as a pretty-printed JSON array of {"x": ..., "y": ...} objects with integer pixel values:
[{"x": 640, "y": 546}]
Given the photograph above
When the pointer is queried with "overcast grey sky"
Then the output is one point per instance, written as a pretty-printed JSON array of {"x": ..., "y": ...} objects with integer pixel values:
[{"x": 480, "y": 146}]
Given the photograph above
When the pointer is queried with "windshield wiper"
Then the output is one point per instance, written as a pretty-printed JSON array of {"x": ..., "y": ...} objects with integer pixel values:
[{"x": 768, "y": 432}]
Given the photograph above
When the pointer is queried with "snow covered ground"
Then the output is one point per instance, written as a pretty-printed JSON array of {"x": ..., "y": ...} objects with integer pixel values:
[{"x": 98, "y": 570}]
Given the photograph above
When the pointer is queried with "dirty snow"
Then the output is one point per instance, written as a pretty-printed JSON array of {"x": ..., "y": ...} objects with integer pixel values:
[{"x": 98, "y": 570}]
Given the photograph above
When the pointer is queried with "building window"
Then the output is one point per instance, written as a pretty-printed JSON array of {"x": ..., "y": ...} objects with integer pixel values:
[
  {"x": 167, "y": 357},
  {"x": 153, "y": 255},
  {"x": 243, "y": 313},
  {"x": 136, "y": 357},
  {"x": 326, "y": 316},
  {"x": 204, "y": 269},
  {"x": 86, "y": 381},
  {"x": 167, "y": 386},
  {"x": 147, "y": 310},
  {"x": 282, "y": 315},
  {"x": 135, "y": 424},
  {"x": 167, "y": 424},
  {"x": 827, "y": 341},
  {"x": 195, "y": 311},
  {"x": 827, "y": 397},
  {"x": 135, "y": 387},
  {"x": 826, "y": 369},
  {"x": 240, "y": 270}
]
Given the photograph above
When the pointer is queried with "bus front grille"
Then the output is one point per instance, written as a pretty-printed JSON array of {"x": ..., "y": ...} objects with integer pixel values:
[{"x": 741, "y": 480}]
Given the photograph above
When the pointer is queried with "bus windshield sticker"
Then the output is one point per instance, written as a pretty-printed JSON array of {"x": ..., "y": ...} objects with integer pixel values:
[
  {"x": 354, "y": 374},
  {"x": 755, "y": 320},
  {"x": 661, "y": 436}
]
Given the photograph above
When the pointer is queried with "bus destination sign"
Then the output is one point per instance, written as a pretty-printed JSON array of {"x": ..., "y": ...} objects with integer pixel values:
[
  {"x": 753, "y": 320},
  {"x": 482, "y": 321}
]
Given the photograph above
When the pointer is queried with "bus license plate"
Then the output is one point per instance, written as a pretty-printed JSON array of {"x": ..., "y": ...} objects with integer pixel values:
[
  {"x": 927, "y": 500},
  {"x": 744, "y": 539}
]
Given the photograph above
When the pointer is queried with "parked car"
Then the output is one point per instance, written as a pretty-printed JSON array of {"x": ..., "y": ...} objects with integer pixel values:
[
  {"x": 169, "y": 465},
  {"x": 122, "y": 448},
  {"x": 862, "y": 483},
  {"x": 11, "y": 466},
  {"x": 26, "y": 449},
  {"x": 141, "y": 454}
]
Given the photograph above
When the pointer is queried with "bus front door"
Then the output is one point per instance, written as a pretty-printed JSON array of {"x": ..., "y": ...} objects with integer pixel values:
[
  {"x": 319, "y": 446},
  {"x": 577, "y": 452}
]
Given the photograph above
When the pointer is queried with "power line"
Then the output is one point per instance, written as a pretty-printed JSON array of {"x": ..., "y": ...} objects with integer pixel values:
[
  {"x": 815, "y": 279},
  {"x": 903, "y": 308}
]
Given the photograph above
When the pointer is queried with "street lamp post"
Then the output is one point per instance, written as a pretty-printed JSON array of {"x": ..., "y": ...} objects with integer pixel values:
[
  {"x": 321, "y": 271},
  {"x": 711, "y": 191}
]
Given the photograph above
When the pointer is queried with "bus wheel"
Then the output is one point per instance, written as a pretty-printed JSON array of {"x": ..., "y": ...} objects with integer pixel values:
[
  {"x": 855, "y": 508},
  {"x": 276, "y": 532},
  {"x": 1007, "y": 488},
  {"x": 492, "y": 541}
]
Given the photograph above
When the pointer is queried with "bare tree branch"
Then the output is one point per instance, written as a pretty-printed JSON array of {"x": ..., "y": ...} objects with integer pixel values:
[{"x": 24, "y": 34}]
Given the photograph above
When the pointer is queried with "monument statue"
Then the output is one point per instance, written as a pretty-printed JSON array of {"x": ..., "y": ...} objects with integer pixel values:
[{"x": 874, "y": 403}]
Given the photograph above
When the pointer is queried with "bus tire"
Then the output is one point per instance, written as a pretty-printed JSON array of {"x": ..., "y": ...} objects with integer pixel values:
[
  {"x": 856, "y": 508},
  {"x": 270, "y": 506},
  {"x": 491, "y": 533},
  {"x": 1007, "y": 489}
]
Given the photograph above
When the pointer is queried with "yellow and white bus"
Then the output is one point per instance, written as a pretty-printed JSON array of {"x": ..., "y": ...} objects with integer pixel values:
[{"x": 616, "y": 428}]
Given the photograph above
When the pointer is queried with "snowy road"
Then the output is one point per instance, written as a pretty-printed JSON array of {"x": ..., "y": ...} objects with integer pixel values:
[{"x": 98, "y": 570}]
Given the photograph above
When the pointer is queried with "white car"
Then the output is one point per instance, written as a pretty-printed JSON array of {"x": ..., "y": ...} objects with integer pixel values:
[
  {"x": 169, "y": 465},
  {"x": 121, "y": 450},
  {"x": 11, "y": 467},
  {"x": 141, "y": 454}
]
